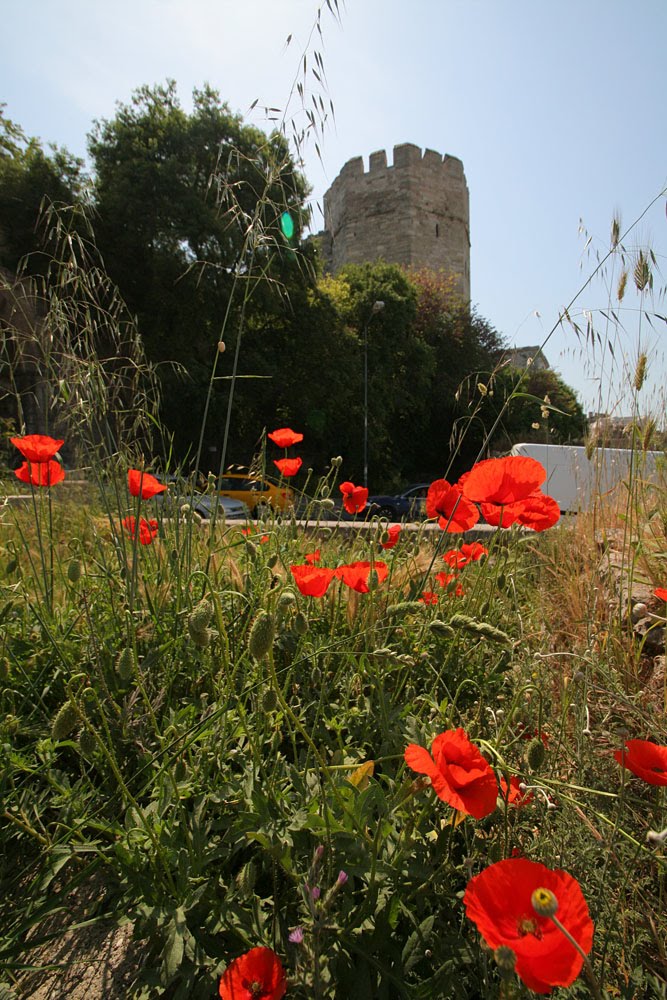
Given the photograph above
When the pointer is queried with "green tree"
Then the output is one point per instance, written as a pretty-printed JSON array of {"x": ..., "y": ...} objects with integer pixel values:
[
  {"x": 541, "y": 407},
  {"x": 29, "y": 178},
  {"x": 189, "y": 210},
  {"x": 465, "y": 350}
]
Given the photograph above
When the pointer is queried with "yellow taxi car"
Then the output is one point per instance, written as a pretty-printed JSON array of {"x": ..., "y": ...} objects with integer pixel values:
[{"x": 255, "y": 491}]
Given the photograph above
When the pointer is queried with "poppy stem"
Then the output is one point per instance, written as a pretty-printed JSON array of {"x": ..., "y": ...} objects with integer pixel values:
[{"x": 590, "y": 975}]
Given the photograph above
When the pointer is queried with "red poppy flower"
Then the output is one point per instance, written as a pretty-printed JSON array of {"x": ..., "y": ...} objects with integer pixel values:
[
  {"x": 453, "y": 511},
  {"x": 143, "y": 484},
  {"x": 354, "y": 497},
  {"x": 147, "y": 529},
  {"x": 393, "y": 532},
  {"x": 499, "y": 517},
  {"x": 503, "y": 480},
  {"x": 428, "y": 597},
  {"x": 251, "y": 531},
  {"x": 645, "y": 759},
  {"x": 312, "y": 581},
  {"x": 40, "y": 473},
  {"x": 288, "y": 466},
  {"x": 37, "y": 447},
  {"x": 312, "y": 557},
  {"x": 661, "y": 593},
  {"x": 498, "y": 901},
  {"x": 285, "y": 437},
  {"x": 515, "y": 796},
  {"x": 459, "y": 773},
  {"x": 356, "y": 575},
  {"x": 455, "y": 559},
  {"x": 257, "y": 975},
  {"x": 469, "y": 552},
  {"x": 443, "y": 579}
]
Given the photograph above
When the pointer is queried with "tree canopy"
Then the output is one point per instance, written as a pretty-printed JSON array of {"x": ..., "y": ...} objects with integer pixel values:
[{"x": 197, "y": 218}]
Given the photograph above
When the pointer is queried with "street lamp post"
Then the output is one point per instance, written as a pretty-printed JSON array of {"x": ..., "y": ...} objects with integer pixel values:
[{"x": 376, "y": 308}]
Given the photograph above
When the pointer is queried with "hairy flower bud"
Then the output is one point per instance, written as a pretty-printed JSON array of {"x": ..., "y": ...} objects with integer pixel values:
[
  {"x": 199, "y": 618},
  {"x": 66, "y": 720},
  {"x": 260, "y": 640},
  {"x": 535, "y": 754},
  {"x": 300, "y": 624},
  {"x": 74, "y": 571},
  {"x": 125, "y": 664}
]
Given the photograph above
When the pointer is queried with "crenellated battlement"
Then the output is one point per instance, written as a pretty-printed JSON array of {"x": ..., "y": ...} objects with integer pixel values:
[{"x": 414, "y": 211}]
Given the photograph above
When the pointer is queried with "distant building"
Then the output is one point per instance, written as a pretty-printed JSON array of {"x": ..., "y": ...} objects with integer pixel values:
[
  {"x": 414, "y": 212},
  {"x": 526, "y": 357}
]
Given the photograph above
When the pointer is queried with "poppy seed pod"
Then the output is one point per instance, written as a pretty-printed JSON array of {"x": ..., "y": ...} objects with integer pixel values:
[
  {"x": 260, "y": 640},
  {"x": 67, "y": 718}
]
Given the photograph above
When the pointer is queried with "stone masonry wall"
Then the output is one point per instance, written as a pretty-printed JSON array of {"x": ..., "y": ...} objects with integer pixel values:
[{"x": 415, "y": 212}]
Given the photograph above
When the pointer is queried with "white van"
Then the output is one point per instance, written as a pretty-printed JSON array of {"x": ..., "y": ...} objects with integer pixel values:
[{"x": 576, "y": 481}]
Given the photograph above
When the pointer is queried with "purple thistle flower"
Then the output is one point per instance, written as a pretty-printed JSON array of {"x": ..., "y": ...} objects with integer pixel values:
[
  {"x": 296, "y": 936},
  {"x": 342, "y": 877},
  {"x": 315, "y": 892}
]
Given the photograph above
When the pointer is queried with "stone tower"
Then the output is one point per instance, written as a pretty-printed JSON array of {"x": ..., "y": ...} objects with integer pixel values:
[{"x": 414, "y": 212}]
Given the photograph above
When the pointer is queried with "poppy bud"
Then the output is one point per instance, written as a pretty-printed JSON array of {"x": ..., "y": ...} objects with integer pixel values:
[
  {"x": 260, "y": 640},
  {"x": 246, "y": 878},
  {"x": 505, "y": 959},
  {"x": 4, "y": 670},
  {"x": 202, "y": 639},
  {"x": 222, "y": 347},
  {"x": 286, "y": 600},
  {"x": 272, "y": 560},
  {"x": 269, "y": 700},
  {"x": 251, "y": 549},
  {"x": 65, "y": 721},
  {"x": 74, "y": 571},
  {"x": 87, "y": 743},
  {"x": 199, "y": 618},
  {"x": 125, "y": 664},
  {"x": 181, "y": 770},
  {"x": 337, "y": 462},
  {"x": 324, "y": 490},
  {"x": 535, "y": 754},
  {"x": 300, "y": 624}
]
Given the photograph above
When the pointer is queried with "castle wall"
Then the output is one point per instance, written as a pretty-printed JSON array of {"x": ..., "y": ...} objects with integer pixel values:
[{"x": 414, "y": 212}]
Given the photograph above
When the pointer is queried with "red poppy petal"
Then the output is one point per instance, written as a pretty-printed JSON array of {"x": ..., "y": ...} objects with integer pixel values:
[
  {"x": 37, "y": 447},
  {"x": 285, "y": 437},
  {"x": 503, "y": 480}
]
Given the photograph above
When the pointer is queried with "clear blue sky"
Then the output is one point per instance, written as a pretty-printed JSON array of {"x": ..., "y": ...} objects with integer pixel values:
[{"x": 557, "y": 111}]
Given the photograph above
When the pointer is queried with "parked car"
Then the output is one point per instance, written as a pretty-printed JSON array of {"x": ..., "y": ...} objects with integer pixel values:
[
  {"x": 410, "y": 505},
  {"x": 255, "y": 491},
  {"x": 202, "y": 504}
]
